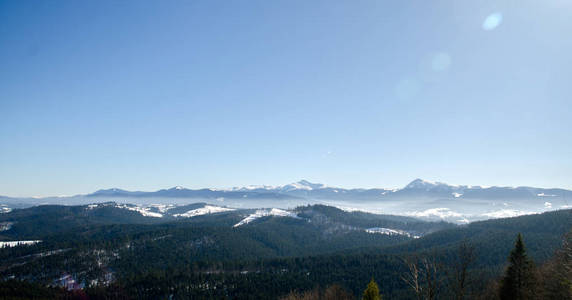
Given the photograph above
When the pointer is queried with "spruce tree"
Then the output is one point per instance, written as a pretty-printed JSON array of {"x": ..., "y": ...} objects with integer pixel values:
[
  {"x": 519, "y": 280},
  {"x": 371, "y": 292}
]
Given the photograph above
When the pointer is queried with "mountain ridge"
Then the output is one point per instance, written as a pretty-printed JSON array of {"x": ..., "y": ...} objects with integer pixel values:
[
  {"x": 420, "y": 198},
  {"x": 306, "y": 189},
  {"x": 305, "y": 186}
]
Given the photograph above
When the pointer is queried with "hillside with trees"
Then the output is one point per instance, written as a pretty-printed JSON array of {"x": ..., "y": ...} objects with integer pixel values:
[{"x": 323, "y": 251}]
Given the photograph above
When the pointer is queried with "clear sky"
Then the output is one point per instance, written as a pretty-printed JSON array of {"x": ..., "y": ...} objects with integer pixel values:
[{"x": 144, "y": 95}]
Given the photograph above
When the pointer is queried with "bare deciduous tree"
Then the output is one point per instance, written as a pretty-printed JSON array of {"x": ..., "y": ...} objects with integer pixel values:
[
  {"x": 422, "y": 277},
  {"x": 412, "y": 277},
  {"x": 430, "y": 270},
  {"x": 459, "y": 280}
]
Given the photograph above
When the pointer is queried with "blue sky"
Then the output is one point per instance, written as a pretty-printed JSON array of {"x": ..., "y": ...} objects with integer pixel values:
[{"x": 145, "y": 95}]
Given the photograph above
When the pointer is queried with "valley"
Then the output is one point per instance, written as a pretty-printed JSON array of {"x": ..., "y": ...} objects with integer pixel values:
[{"x": 206, "y": 250}]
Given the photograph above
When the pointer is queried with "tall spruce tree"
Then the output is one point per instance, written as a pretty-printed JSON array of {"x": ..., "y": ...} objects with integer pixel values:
[
  {"x": 519, "y": 280},
  {"x": 371, "y": 292}
]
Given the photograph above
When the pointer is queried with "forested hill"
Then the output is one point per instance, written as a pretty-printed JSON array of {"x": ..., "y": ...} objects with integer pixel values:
[
  {"x": 47, "y": 220},
  {"x": 196, "y": 232},
  {"x": 206, "y": 251},
  {"x": 494, "y": 238}
]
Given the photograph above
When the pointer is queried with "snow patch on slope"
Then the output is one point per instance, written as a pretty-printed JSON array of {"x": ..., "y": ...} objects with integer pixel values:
[
  {"x": 208, "y": 209},
  {"x": 265, "y": 213},
  {"x": 4, "y": 209},
  {"x": 17, "y": 243},
  {"x": 299, "y": 186},
  {"x": 389, "y": 231},
  {"x": 144, "y": 211},
  {"x": 97, "y": 205},
  {"x": 255, "y": 187},
  {"x": 163, "y": 208},
  {"x": 506, "y": 213},
  {"x": 5, "y": 226}
]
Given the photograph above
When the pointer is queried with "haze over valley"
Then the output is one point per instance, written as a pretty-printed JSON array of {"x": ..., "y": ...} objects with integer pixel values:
[
  {"x": 286, "y": 150},
  {"x": 432, "y": 201}
]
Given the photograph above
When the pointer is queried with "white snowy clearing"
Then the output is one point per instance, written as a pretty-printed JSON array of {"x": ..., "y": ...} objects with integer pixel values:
[
  {"x": 264, "y": 213},
  {"x": 389, "y": 231},
  {"x": 5, "y": 226},
  {"x": 507, "y": 213},
  {"x": 142, "y": 210},
  {"x": 208, "y": 209},
  {"x": 17, "y": 243},
  {"x": 163, "y": 208}
]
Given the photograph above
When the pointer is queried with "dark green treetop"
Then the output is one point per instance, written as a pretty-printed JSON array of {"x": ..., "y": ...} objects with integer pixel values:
[{"x": 519, "y": 280}]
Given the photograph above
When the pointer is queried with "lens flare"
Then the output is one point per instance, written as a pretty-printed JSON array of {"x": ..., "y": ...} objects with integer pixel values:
[
  {"x": 441, "y": 62},
  {"x": 492, "y": 21}
]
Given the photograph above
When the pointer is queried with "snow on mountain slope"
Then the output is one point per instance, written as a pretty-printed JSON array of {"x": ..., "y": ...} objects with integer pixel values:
[
  {"x": 389, "y": 231},
  {"x": 506, "y": 213},
  {"x": 300, "y": 185},
  {"x": 17, "y": 243},
  {"x": 422, "y": 184},
  {"x": 251, "y": 188},
  {"x": 163, "y": 208},
  {"x": 145, "y": 211},
  {"x": 5, "y": 209},
  {"x": 265, "y": 213},
  {"x": 208, "y": 209},
  {"x": 5, "y": 226}
]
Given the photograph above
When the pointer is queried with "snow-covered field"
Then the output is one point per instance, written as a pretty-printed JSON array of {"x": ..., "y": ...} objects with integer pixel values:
[
  {"x": 145, "y": 211},
  {"x": 389, "y": 231},
  {"x": 162, "y": 208},
  {"x": 208, "y": 209},
  {"x": 5, "y": 226},
  {"x": 4, "y": 209},
  {"x": 17, "y": 243},
  {"x": 264, "y": 213}
]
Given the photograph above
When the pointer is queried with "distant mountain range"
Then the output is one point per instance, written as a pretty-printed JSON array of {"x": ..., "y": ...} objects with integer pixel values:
[
  {"x": 420, "y": 198},
  {"x": 307, "y": 190}
]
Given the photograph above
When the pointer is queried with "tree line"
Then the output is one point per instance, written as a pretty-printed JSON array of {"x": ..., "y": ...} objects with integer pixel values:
[{"x": 429, "y": 278}]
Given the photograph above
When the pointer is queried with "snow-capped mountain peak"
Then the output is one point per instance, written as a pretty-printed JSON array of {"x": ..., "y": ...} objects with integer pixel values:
[
  {"x": 109, "y": 191},
  {"x": 252, "y": 188},
  {"x": 303, "y": 185},
  {"x": 421, "y": 184}
]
